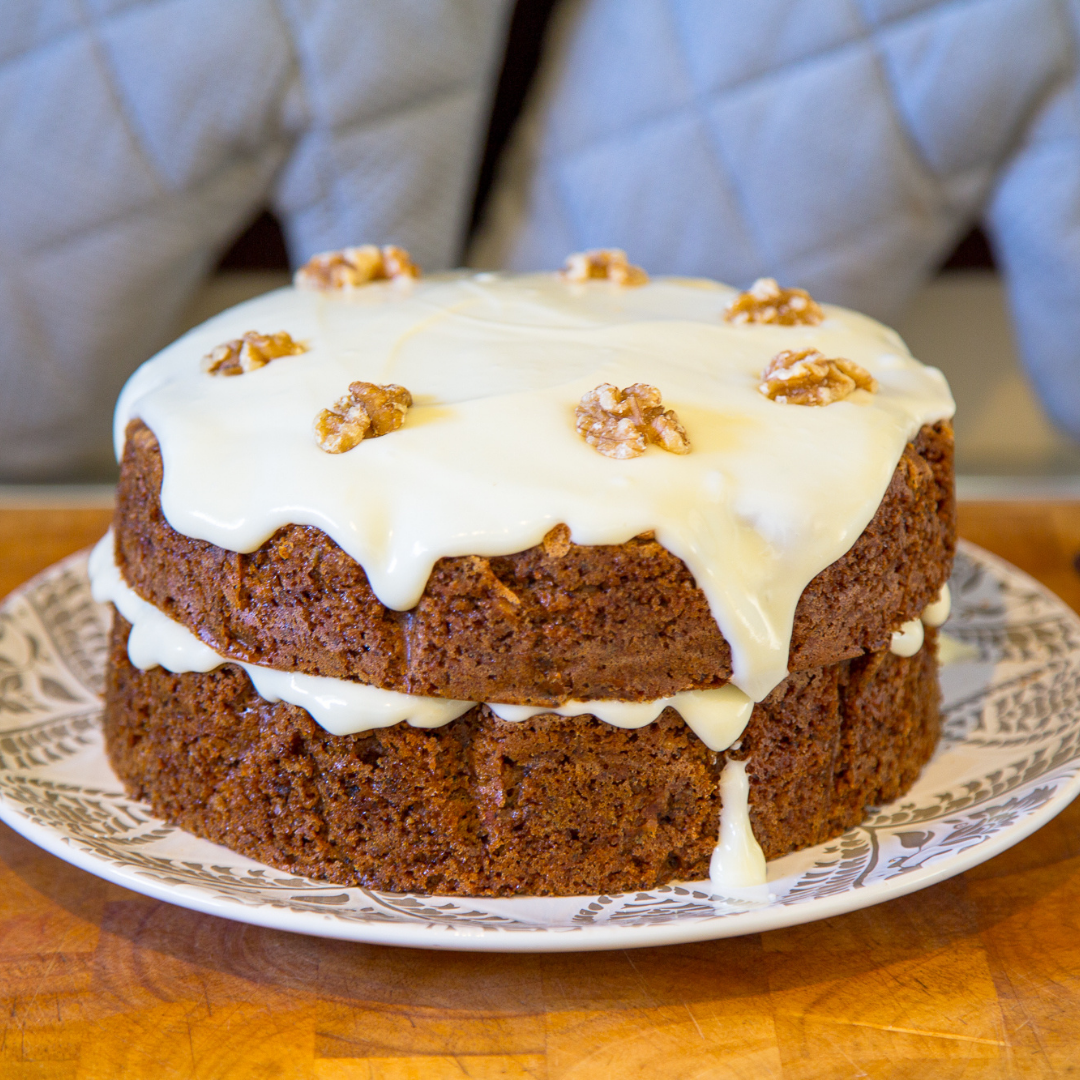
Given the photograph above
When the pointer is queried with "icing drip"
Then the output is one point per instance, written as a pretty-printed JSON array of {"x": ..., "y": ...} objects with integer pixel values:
[
  {"x": 717, "y": 717},
  {"x": 488, "y": 459},
  {"x": 907, "y": 641},
  {"x": 737, "y": 860},
  {"x": 342, "y": 707},
  {"x": 937, "y": 612},
  {"x": 155, "y": 639}
]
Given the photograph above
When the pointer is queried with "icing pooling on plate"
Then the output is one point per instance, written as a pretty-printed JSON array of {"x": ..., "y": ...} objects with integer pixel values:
[
  {"x": 342, "y": 707},
  {"x": 488, "y": 459},
  {"x": 737, "y": 860}
]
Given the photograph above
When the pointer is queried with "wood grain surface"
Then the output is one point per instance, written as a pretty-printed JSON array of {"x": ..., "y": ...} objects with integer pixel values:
[{"x": 975, "y": 977}]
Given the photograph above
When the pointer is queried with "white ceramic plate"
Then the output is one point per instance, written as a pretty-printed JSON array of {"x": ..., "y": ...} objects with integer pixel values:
[{"x": 1009, "y": 760}]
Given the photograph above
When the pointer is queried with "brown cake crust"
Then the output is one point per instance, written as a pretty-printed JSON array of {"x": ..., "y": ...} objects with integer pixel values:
[
  {"x": 615, "y": 621},
  {"x": 550, "y": 806}
]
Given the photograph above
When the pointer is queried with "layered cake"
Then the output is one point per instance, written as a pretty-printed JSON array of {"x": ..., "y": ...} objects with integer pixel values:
[{"x": 483, "y": 584}]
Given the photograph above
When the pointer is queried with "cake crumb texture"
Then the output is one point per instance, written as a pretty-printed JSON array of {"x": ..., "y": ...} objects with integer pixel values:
[
  {"x": 537, "y": 627},
  {"x": 483, "y": 807}
]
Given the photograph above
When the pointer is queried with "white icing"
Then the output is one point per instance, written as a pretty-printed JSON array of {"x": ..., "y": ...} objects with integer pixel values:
[
  {"x": 907, "y": 641},
  {"x": 340, "y": 706},
  {"x": 155, "y": 639},
  {"x": 737, "y": 860},
  {"x": 343, "y": 707},
  {"x": 717, "y": 717},
  {"x": 488, "y": 459},
  {"x": 937, "y": 612}
]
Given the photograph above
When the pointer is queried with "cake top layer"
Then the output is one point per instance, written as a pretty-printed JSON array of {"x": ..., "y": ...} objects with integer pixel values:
[{"x": 488, "y": 458}]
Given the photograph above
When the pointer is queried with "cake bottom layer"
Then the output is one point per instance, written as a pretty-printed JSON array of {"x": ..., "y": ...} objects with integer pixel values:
[{"x": 486, "y": 807}]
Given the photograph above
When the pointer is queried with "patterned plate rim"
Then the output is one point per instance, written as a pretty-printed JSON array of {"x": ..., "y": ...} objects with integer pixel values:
[{"x": 564, "y": 938}]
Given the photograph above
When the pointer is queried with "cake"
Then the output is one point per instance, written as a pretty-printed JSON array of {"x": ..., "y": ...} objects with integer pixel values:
[{"x": 411, "y": 595}]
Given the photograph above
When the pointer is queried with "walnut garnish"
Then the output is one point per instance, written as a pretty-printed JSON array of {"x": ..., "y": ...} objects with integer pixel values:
[
  {"x": 621, "y": 423},
  {"x": 365, "y": 412},
  {"x": 766, "y": 302},
  {"x": 252, "y": 350},
  {"x": 807, "y": 377},
  {"x": 355, "y": 266},
  {"x": 608, "y": 264},
  {"x": 556, "y": 542},
  {"x": 481, "y": 567}
]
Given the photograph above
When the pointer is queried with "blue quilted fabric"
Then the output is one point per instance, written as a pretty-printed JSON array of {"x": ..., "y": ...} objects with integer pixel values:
[
  {"x": 841, "y": 145},
  {"x": 140, "y": 136}
]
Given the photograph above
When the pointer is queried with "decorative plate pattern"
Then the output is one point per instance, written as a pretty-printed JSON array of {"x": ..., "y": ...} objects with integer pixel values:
[{"x": 1009, "y": 760}]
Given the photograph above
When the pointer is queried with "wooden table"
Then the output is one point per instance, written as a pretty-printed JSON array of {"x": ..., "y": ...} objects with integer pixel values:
[{"x": 976, "y": 977}]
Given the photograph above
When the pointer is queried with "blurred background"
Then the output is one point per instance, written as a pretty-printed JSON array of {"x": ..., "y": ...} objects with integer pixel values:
[{"x": 916, "y": 159}]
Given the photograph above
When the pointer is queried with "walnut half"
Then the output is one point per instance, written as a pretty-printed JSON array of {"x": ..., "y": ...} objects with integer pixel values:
[
  {"x": 606, "y": 264},
  {"x": 556, "y": 543},
  {"x": 365, "y": 412},
  {"x": 766, "y": 302},
  {"x": 807, "y": 377},
  {"x": 249, "y": 352},
  {"x": 621, "y": 423},
  {"x": 352, "y": 267}
]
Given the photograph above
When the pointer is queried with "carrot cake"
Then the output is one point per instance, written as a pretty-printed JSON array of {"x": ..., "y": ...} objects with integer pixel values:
[{"x": 556, "y": 583}]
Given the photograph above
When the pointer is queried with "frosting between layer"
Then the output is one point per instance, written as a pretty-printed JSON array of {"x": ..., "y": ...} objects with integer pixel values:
[
  {"x": 488, "y": 459},
  {"x": 717, "y": 717},
  {"x": 342, "y": 707}
]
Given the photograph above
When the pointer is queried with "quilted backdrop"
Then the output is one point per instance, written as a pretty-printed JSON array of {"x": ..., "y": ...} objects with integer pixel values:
[
  {"x": 139, "y": 136},
  {"x": 842, "y": 145}
]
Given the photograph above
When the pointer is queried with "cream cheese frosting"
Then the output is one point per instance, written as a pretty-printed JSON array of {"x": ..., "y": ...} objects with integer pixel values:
[
  {"x": 488, "y": 459},
  {"x": 343, "y": 707},
  {"x": 937, "y": 613},
  {"x": 908, "y": 640},
  {"x": 737, "y": 860},
  {"x": 717, "y": 717}
]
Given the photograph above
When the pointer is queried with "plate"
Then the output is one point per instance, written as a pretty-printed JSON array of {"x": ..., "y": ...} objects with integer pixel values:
[{"x": 1008, "y": 761}]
